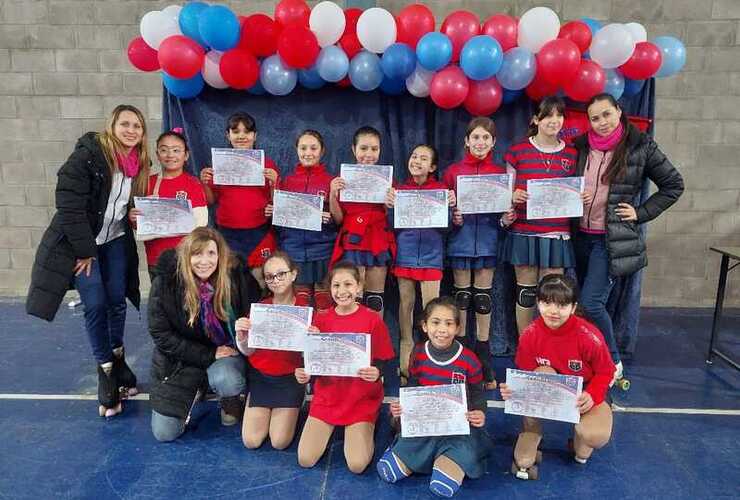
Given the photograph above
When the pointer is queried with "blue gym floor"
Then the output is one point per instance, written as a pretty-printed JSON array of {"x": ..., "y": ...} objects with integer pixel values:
[{"x": 676, "y": 432}]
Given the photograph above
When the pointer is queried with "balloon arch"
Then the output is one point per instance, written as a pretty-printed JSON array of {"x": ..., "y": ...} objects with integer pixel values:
[{"x": 469, "y": 63}]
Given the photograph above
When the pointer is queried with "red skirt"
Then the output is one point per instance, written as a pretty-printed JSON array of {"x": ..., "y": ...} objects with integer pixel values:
[{"x": 418, "y": 274}]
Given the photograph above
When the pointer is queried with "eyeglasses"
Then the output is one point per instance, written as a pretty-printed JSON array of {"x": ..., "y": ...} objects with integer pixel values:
[
  {"x": 175, "y": 151},
  {"x": 278, "y": 276}
]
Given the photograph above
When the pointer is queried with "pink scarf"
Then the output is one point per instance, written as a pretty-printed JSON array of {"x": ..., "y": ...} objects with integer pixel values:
[
  {"x": 605, "y": 143},
  {"x": 130, "y": 163}
]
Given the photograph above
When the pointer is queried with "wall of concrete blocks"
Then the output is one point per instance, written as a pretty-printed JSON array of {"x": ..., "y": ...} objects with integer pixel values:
[{"x": 63, "y": 67}]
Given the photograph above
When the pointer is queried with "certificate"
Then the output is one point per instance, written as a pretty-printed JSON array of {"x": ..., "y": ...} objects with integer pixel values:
[
  {"x": 163, "y": 217},
  {"x": 336, "y": 354},
  {"x": 420, "y": 209},
  {"x": 434, "y": 410},
  {"x": 543, "y": 395},
  {"x": 365, "y": 183},
  {"x": 297, "y": 210},
  {"x": 484, "y": 194},
  {"x": 278, "y": 327},
  {"x": 238, "y": 167},
  {"x": 554, "y": 198}
]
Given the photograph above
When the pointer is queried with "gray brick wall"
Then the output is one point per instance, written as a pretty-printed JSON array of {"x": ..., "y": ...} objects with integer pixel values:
[{"x": 63, "y": 67}]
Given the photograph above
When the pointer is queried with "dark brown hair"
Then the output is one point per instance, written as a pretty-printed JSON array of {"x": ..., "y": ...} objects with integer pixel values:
[
  {"x": 557, "y": 288},
  {"x": 545, "y": 109},
  {"x": 618, "y": 165},
  {"x": 446, "y": 302}
]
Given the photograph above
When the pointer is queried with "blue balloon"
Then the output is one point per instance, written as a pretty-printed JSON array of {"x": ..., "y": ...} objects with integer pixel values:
[
  {"x": 398, "y": 61},
  {"x": 481, "y": 57},
  {"x": 184, "y": 89},
  {"x": 393, "y": 86},
  {"x": 632, "y": 87},
  {"x": 518, "y": 69},
  {"x": 189, "y": 20},
  {"x": 365, "y": 72},
  {"x": 310, "y": 78},
  {"x": 257, "y": 89},
  {"x": 219, "y": 27},
  {"x": 434, "y": 51},
  {"x": 332, "y": 63},
  {"x": 276, "y": 77},
  {"x": 511, "y": 95},
  {"x": 614, "y": 83},
  {"x": 674, "y": 55},
  {"x": 592, "y": 24}
]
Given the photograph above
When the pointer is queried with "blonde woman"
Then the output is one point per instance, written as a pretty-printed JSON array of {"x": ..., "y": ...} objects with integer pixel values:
[
  {"x": 90, "y": 246},
  {"x": 199, "y": 291}
]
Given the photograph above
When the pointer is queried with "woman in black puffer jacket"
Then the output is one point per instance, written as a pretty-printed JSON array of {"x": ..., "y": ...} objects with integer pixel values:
[
  {"x": 615, "y": 158},
  {"x": 199, "y": 292}
]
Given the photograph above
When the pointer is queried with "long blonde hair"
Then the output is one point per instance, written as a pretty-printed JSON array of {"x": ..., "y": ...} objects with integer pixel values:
[
  {"x": 112, "y": 147},
  {"x": 192, "y": 244}
]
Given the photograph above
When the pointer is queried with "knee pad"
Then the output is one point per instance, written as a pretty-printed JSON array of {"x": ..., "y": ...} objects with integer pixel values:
[
  {"x": 526, "y": 295},
  {"x": 482, "y": 300},
  {"x": 374, "y": 300},
  {"x": 322, "y": 300},
  {"x": 463, "y": 298}
]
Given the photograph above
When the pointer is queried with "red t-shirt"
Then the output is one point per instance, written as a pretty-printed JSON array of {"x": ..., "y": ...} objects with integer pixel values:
[
  {"x": 277, "y": 363},
  {"x": 184, "y": 186},
  {"x": 243, "y": 207},
  {"x": 576, "y": 348},
  {"x": 349, "y": 400}
]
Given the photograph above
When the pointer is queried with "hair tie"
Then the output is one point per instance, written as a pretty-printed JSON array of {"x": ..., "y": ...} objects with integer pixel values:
[{"x": 178, "y": 130}]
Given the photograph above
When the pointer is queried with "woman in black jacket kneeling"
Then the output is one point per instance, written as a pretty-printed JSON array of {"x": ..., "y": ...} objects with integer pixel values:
[{"x": 199, "y": 291}]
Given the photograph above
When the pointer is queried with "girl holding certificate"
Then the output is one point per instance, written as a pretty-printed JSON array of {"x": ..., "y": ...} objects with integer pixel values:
[
  {"x": 352, "y": 402},
  {"x": 240, "y": 215},
  {"x": 310, "y": 249},
  {"x": 442, "y": 360},
  {"x": 561, "y": 342},
  {"x": 275, "y": 397},
  {"x": 364, "y": 237},
  {"x": 538, "y": 247},
  {"x": 89, "y": 245},
  {"x": 472, "y": 244}
]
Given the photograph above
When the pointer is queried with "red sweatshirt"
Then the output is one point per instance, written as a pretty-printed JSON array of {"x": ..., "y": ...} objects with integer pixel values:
[{"x": 576, "y": 348}]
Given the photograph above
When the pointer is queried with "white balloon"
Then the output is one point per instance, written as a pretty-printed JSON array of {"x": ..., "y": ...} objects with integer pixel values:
[
  {"x": 376, "y": 29},
  {"x": 155, "y": 26},
  {"x": 612, "y": 46},
  {"x": 327, "y": 21},
  {"x": 211, "y": 72},
  {"x": 537, "y": 26},
  {"x": 173, "y": 11},
  {"x": 638, "y": 32},
  {"x": 419, "y": 81}
]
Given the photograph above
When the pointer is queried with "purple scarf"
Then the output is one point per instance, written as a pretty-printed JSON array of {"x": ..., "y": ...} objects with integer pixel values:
[
  {"x": 130, "y": 163},
  {"x": 605, "y": 143},
  {"x": 208, "y": 318}
]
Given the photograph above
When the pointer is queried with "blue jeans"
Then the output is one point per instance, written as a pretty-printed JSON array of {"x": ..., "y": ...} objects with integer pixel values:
[
  {"x": 227, "y": 376},
  {"x": 592, "y": 266},
  {"x": 103, "y": 296}
]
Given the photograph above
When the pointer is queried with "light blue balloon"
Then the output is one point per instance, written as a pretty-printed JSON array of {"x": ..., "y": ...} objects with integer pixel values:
[
  {"x": 393, "y": 86},
  {"x": 332, "y": 63},
  {"x": 632, "y": 87},
  {"x": 434, "y": 51},
  {"x": 398, "y": 61},
  {"x": 257, "y": 88},
  {"x": 189, "y": 20},
  {"x": 219, "y": 27},
  {"x": 310, "y": 78},
  {"x": 365, "y": 72},
  {"x": 614, "y": 83},
  {"x": 592, "y": 24},
  {"x": 481, "y": 57},
  {"x": 183, "y": 88},
  {"x": 674, "y": 55},
  {"x": 511, "y": 96},
  {"x": 276, "y": 77},
  {"x": 517, "y": 69}
]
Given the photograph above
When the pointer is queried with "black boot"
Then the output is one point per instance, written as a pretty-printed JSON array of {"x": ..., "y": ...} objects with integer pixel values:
[
  {"x": 232, "y": 409},
  {"x": 108, "y": 395},
  {"x": 125, "y": 377},
  {"x": 483, "y": 351}
]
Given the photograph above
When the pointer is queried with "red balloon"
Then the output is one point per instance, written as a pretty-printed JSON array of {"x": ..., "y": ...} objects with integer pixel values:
[
  {"x": 259, "y": 35},
  {"x": 644, "y": 63},
  {"x": 298, "y": 47},
  {"x": 588, "y": 81},
  {"x": 503, "y": 28},
  {"x": 577, "y": 32},
  {"x": 239, "y": 68},
  {"x": 181, "y": 57},
  {"x": 142, "y": 56},
  {"x": 558, "y": 61},
  {"x": 292, "y": 12},
  {"x": 484, "y": 97},
  {"x": 449, "y": 87},
  {"x": 460, "y": 26},
  {"x": 540, "y": 88},
  {"x": 413, "y": 22},
  {"x": 349, "y": 41}
]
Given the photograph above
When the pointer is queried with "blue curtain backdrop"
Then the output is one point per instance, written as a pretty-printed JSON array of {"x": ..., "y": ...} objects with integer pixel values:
[{"x": 403, "y": 121}]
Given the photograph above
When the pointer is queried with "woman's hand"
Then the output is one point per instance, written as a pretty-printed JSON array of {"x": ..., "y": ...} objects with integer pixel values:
[
  {"x": 337, "y": 184},
  {"x": 626, "y": 212},
  {"x": 224, "y": 351},
  {"x": 451, "y": 198},
  {"x": 83, "y": 265},
  {"x": 457, "y": 217},
  {"x": 505, "y": 391},
  {"x": 476, "y": 418},
  {"x": 132, "y": 214},
  {"x": 519, "y": 196},
  {"x": 587, "y": 197},
  {"x": 206, "y": 175},
  {"x": 584, "y": 402},
  {"x": 369, "y": 373},
  {"x": 271, "y": 176},
  {"x": 301, "y": 376},
  {"x": 395, "y": 408},
  {"x": 390, "y": 198},
  {"x": 268, "y": 210}
]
